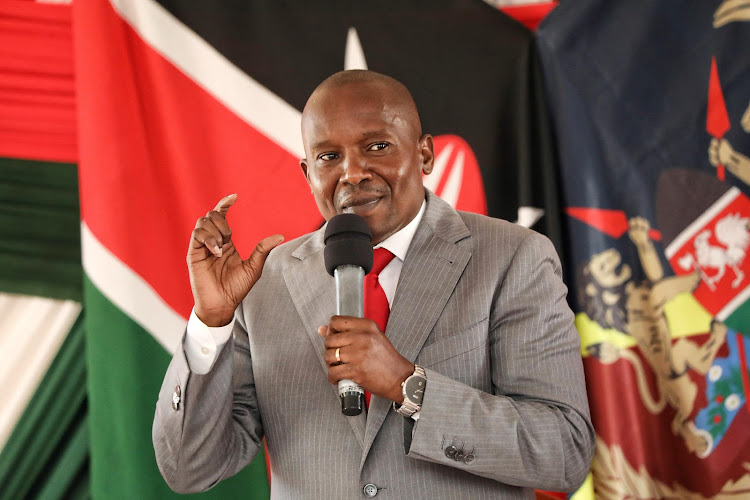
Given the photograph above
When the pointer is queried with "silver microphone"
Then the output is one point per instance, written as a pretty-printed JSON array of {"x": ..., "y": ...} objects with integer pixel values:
[{"x": 348, "y": 257}]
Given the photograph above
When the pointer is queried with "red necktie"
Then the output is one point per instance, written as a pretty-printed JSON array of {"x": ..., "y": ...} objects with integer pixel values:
[{"x": 376, "y": 303}]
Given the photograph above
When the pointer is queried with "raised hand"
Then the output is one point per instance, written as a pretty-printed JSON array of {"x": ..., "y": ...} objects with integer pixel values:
[{"x": 219, "y": 278}]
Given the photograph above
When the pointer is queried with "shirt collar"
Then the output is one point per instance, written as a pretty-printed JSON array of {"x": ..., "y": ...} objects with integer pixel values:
[{"x": 398, "y": 243}]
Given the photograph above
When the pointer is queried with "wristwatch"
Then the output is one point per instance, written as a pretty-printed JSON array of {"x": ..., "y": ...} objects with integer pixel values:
[{"x": 413, "y": 391}]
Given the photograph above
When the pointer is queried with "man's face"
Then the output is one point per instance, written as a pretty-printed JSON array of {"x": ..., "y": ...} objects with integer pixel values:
[{"x": 365, "y": 156}]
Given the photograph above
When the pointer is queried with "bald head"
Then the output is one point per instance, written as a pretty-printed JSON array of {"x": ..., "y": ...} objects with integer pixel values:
[{"x": 367, "y": 85}]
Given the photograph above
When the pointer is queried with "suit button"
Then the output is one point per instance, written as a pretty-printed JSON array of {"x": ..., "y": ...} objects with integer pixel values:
[
  {"x": 450, "y": 452},
  {"x": 370, "y": 490},
  {"x": 176, "y": 398},
  {"x": 469, "y": 459},
  {"x": 459, "y": 456}
]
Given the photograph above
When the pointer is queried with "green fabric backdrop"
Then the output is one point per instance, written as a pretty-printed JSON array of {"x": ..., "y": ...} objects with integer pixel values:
[
  {"x": 40, "y": 246},
  {"x": 47, "y": 454}
]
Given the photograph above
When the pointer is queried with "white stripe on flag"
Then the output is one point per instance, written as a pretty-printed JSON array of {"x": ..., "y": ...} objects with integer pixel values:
[
  {"x": 701, "y": 221},
  {"x": 32, "y": 329},
  {"x": 258, "y": 106},
  {"x": 130, "y": 293}
]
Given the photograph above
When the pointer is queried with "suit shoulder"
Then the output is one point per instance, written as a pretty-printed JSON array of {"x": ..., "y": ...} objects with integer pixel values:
[
  {"x": 483, "y": 226},
  {"x": 280, "y": 256},
  {"x": 490, "y": 234}
]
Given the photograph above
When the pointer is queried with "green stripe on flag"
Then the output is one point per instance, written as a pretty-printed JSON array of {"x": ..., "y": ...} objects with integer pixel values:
[
  {"x": 47, "y": 451},
  {"x": 40, "y": 251},
  {"x": 126, "y": 366}
]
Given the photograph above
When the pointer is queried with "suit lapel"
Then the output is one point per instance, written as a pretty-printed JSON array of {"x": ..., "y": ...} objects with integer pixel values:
[
  {"x": 432, "y": 268},
  {"x": 313, "y": 292}
]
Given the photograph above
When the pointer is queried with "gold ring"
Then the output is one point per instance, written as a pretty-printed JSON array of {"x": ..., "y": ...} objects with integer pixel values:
[{"x": 338, "y": 357}]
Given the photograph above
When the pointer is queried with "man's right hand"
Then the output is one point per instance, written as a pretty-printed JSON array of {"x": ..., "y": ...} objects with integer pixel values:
[{"x": 219, "y": 278}]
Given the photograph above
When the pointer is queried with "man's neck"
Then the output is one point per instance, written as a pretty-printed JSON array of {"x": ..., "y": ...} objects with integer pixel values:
[{"x": 398, "y": 243}]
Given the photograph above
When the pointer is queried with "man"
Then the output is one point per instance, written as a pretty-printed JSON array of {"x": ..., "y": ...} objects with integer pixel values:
[{"x": 477, "y": 315}]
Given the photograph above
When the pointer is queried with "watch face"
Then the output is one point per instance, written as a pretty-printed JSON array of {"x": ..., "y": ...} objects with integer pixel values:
[{"x": 414, "y": 389}]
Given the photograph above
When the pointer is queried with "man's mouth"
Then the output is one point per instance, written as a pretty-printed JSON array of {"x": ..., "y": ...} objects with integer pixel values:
[{"x": 359, "y": 203}]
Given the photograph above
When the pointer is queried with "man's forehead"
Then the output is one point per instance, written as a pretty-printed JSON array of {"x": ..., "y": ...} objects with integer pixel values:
[
  {"x": 330, "y": 97},
  {"x": 358, "y": 103},
  {"x": 364, "y": 109}
]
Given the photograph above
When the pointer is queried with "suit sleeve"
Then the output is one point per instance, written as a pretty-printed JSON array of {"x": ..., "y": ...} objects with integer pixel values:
[
  {"x": 534, "y": 429},
  {"x": 215, "y": 429}
]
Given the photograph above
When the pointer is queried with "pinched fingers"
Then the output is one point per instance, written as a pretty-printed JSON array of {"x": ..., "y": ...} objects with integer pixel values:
[
  {"x": 212, "y": 231},
  {"x": 206, "y": 233},
  {"x": 218, "y": 217},
  {"x": 221, "y": 224}
]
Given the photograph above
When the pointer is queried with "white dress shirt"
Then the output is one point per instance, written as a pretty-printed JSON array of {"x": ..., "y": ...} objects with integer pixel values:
[{"x": 203, "y": 344}]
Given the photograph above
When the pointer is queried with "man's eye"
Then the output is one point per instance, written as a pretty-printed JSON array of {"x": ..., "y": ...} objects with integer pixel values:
[
  {"x": 378, "y": 146},
  {"x": 328, "y": 156}
]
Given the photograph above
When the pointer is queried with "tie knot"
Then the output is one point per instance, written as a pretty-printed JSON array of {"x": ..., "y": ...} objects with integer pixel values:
[{"x": 380, "y": 259}]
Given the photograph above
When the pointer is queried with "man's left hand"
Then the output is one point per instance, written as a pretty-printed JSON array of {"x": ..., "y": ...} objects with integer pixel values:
[{"x": 366, "y": 356}]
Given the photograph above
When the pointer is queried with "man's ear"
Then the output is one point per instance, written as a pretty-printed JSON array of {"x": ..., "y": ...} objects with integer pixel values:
[
  {"x": 303, "y": 165},
  {"x": 427, "y": 151}
]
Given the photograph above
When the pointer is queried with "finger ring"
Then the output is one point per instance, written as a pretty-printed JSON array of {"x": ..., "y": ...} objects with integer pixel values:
[{"x": 338, "y": 357}]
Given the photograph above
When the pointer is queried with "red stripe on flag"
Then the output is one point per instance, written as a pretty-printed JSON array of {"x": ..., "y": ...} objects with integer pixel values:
[
  {"x": 157, "y": 152},
  {"x": 37, "y": 93}
]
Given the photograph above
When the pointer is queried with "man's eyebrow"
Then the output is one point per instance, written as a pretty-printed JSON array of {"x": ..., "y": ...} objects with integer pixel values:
[
  {"x": 321, "y": 144},
  {"x": 325, "y": 144},
  {"x": 374, "y": 133}
]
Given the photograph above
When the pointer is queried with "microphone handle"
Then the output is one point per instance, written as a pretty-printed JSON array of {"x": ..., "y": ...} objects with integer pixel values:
[{"x": 350, "y": 301}]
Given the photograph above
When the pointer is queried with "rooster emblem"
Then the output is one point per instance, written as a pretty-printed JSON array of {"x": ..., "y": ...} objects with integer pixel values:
[{"x": 733, "y": 232}]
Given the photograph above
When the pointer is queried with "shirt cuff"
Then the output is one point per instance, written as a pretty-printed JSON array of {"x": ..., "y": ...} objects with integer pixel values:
[{"x": 203, "y": 344}]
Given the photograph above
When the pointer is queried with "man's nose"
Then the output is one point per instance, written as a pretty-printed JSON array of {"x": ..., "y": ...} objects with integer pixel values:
[{"x": 355, "y": 169}]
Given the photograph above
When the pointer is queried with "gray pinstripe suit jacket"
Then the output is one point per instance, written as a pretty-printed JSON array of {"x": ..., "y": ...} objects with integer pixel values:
[{"x": 480, "y": 304}]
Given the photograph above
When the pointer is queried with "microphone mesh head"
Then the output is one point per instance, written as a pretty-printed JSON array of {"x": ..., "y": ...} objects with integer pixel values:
[{"x": 348, "y": 242}]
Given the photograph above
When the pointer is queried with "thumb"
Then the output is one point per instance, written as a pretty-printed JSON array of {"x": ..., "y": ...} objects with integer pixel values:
[{"x": 257, "y": 259}]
